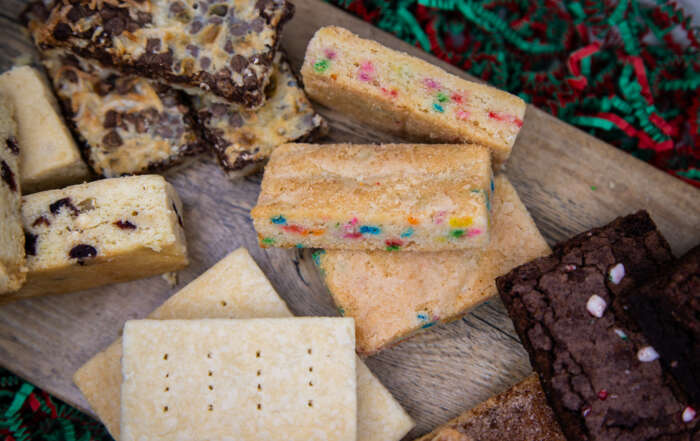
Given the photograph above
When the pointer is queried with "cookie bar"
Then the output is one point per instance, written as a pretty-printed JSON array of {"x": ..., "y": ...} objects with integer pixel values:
[
  {"x": 601, "y": 375},
  {"x": 394, "y": 295},
  {"x": 49, "y": 156},
  {"x": 519, "y": 414},
  {"x": 234, "y": 288},
  {"x": 103, "y": 232},
  {"x": 391, "y": 197},
  {"x": 226, "y": 48},
  {"x": 243, "y": 139},
  {"x": 12, "y": 270},
  {"x": 128, "y": 124},
  {"x": 407, "y": 96},
  {"x": 667, "y": 311},
  {"x": 261, "y": 379}
]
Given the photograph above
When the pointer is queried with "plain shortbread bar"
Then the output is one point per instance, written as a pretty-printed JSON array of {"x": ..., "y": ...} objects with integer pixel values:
[
  {"x": 395, "y": 295},
  {"x": 234, "y": 288},
  {"x": 520, "y": 413},
  {"x": 49, "y": 156},
  {"x": 12, "y": 269},
  {"x": 405, "y": 95},
  {"x": 107, "y": 231},
  {"x": 391, "y": 197}
]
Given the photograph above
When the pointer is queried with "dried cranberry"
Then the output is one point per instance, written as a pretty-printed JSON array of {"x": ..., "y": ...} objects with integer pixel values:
[
  {"x": 12, "y": 145},
  {"x": 41, "y": 220},
  {"x": 125, "y": 225},
  {"x": 8, "y": 176},
  {"x": 30, "y": 244},
  {"x": 55, "y": 208},
  {"x": 82, "y": 251}
]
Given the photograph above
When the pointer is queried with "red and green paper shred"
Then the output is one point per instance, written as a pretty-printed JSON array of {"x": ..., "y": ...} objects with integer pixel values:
[
  {"x": 626, "y": 72},
  {"x": 27, "y": 413}
]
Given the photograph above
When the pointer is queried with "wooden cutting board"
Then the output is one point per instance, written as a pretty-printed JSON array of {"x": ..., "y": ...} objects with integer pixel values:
[{"x": 569, "y": 180}]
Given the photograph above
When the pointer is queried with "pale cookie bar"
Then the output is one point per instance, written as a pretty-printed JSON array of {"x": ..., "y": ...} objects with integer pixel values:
[
  {"x": 49, "y": 157},
  {"x": 519, "y": 414},
  {"x": 428, "y": 197},
  {"x": 224, "y": 47},
  {"x": 103, "y": 232},
  {"x": 128, "y": 124},
  {"x": 405, "y": 95},
  {"x": 12, "y": 269},
  {"x": 290, "y": 379},
  {"x": 234, "y": 288},
  {"x": 395, "y": 295},
  {"x": 243, "y": 139}
]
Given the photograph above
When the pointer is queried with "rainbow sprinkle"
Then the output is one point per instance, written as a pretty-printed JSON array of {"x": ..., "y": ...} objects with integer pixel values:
[
  {"x": 341, "y": 311},
  {"x": 316, "y": 256},
  {"x": 268, "y": 241},
  {"x": 369, "y": 229},
  {"x": 438, "y": 108},
  {"x": 457, "y": 233},
  {"x": 322, "y": 65},
  {"x": 393, "y": 244},
  {"x": 408, "y": 233},
  {"x": 461, "y": 222},
  {"x": 279, "y": 220}
]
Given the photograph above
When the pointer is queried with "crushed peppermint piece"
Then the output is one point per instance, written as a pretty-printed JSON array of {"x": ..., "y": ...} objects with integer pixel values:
[
  {"x": 603, "y": 394},
  {"x": 688, "y": 414},
  {"x": 569, "y": 268},
  {"x": 596, "y": 306},
  {"x": 586, "y": 410},
  {"x": 647, "y": 354},
  {"x": 617, "y": 273},
  {"x": 620, "y": 333}
]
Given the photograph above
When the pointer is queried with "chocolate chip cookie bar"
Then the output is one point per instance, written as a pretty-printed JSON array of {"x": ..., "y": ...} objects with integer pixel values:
[
  {"x": 667, "y": 310},
  {"x": 128, "y": 124},
  {"x": 519, "y": 414},
  {"x": 405, "y": 95},
  {"x": 103, "y": 232},
  {"x": 224, "y": 47},
  {"x": 49, "y": 157},
  {"x": 601, "y": 375},
  {"x": 12, "y": 270},
  {"x": 243, "y": 139},
  {"x": 393, "y": 295},
  {"x": 392, "y": 197}
]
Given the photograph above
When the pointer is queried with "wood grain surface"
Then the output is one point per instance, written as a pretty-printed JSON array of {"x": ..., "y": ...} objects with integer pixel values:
[{"x": 435, "y": 375}]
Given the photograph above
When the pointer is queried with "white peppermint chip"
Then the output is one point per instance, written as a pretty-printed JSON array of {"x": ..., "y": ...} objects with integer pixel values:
[
  {"x": 596, "y": 306},
  {"x": 688, "y": 414},
  {"x": 620, "y": 333},
  {"x": 647, "y": 354},
  {"x": 617, "y": 273}
]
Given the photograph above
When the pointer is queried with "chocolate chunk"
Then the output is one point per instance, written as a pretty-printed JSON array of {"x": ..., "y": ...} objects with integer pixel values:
[
  {"x": 112, "y": 139},
  {"x": 115, "y": 26},
  {"x": 228, "y": 47},
  {"x": 55, "y": 208},
  {"x": 250, "y": 80},
  {"x": 176, "y": 8},
  {"x": 111, "y": 118},
  {"x": 164, "y": 132},
  {"x": 143, "y": 18},
  {"x": 238, "y": 63},
  {"x": 62, "y": 31},
  {"x": 41, "y": 220},
  {"x": 218, "y": 109},
  {"x": 70, "y": 75},
  {"x": 8, "y": 176},
  {"x": 193, "y": 50},
  {"x": 30, "y": 243},
  {"x": 196, "y": 26},
  {"x": 258, "y": 24},
  {"x": 103, "y": 87},
  {"x": 205, "y": 62},
  {"x": 82, "y": 251},
  {"x": 219, "y": 10},
  {"x": 152, "y": 45},
  {"x": 12, "y": 145},
  {"x": 235, "y": 120},
  {"x": 179, "y": 219},
  {"x": 239, "y": 28},
  {"x": 125, "y": 225},
  {"x": 77, "y": 12}
]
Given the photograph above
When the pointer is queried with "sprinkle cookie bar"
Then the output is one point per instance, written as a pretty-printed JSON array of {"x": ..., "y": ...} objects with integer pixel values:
[{"x": 390, "y": 197}]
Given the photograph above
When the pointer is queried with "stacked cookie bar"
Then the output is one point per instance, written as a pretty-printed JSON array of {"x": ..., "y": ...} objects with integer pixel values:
[{"x": 146, "y": 87}]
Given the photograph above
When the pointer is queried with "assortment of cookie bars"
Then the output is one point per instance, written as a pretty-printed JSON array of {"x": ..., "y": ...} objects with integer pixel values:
[{"x": 407, "y": 236}]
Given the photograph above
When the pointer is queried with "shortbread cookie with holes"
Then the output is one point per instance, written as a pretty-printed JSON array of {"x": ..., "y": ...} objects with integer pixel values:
[
  {"x": 243, "y": 139},
  {"x": 49, "y": 157},
  {"x": 128, "y": 124},
  {"x": 234, "y": 288},
  {"x": 519, "y": 414},
  {"x": 392, "y": 296},
  {"x": 12, "y": 264},
  {"x": 260, "y": 379},
  {"x": 407, "y": 96},
  {"x": 226, "y": 47},
  {"x": 103, "y": 232},
  {"x": 392, "y": 197}
]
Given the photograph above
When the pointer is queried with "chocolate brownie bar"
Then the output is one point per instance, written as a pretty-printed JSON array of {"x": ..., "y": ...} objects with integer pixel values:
[
  {"x": 225, "y": 47},
  {"x": 599, "y": 372},
  {"x": 243, "y": 139},
  {"x": 519, "y": 414},
  {"x": 668, "y": 311},
  {"x": 128, "y": 124}
]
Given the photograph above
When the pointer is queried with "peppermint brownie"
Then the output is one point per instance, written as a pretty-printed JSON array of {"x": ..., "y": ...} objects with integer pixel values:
[
  {"x": 128, "y": 124},
  {"x": 601, "y": 375},
  {"x": 668, "y": 312},
  {"x": 12, "y": 271},
  {"x": 225, "y": 47},
  {"x": 243, "y": 139}
]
